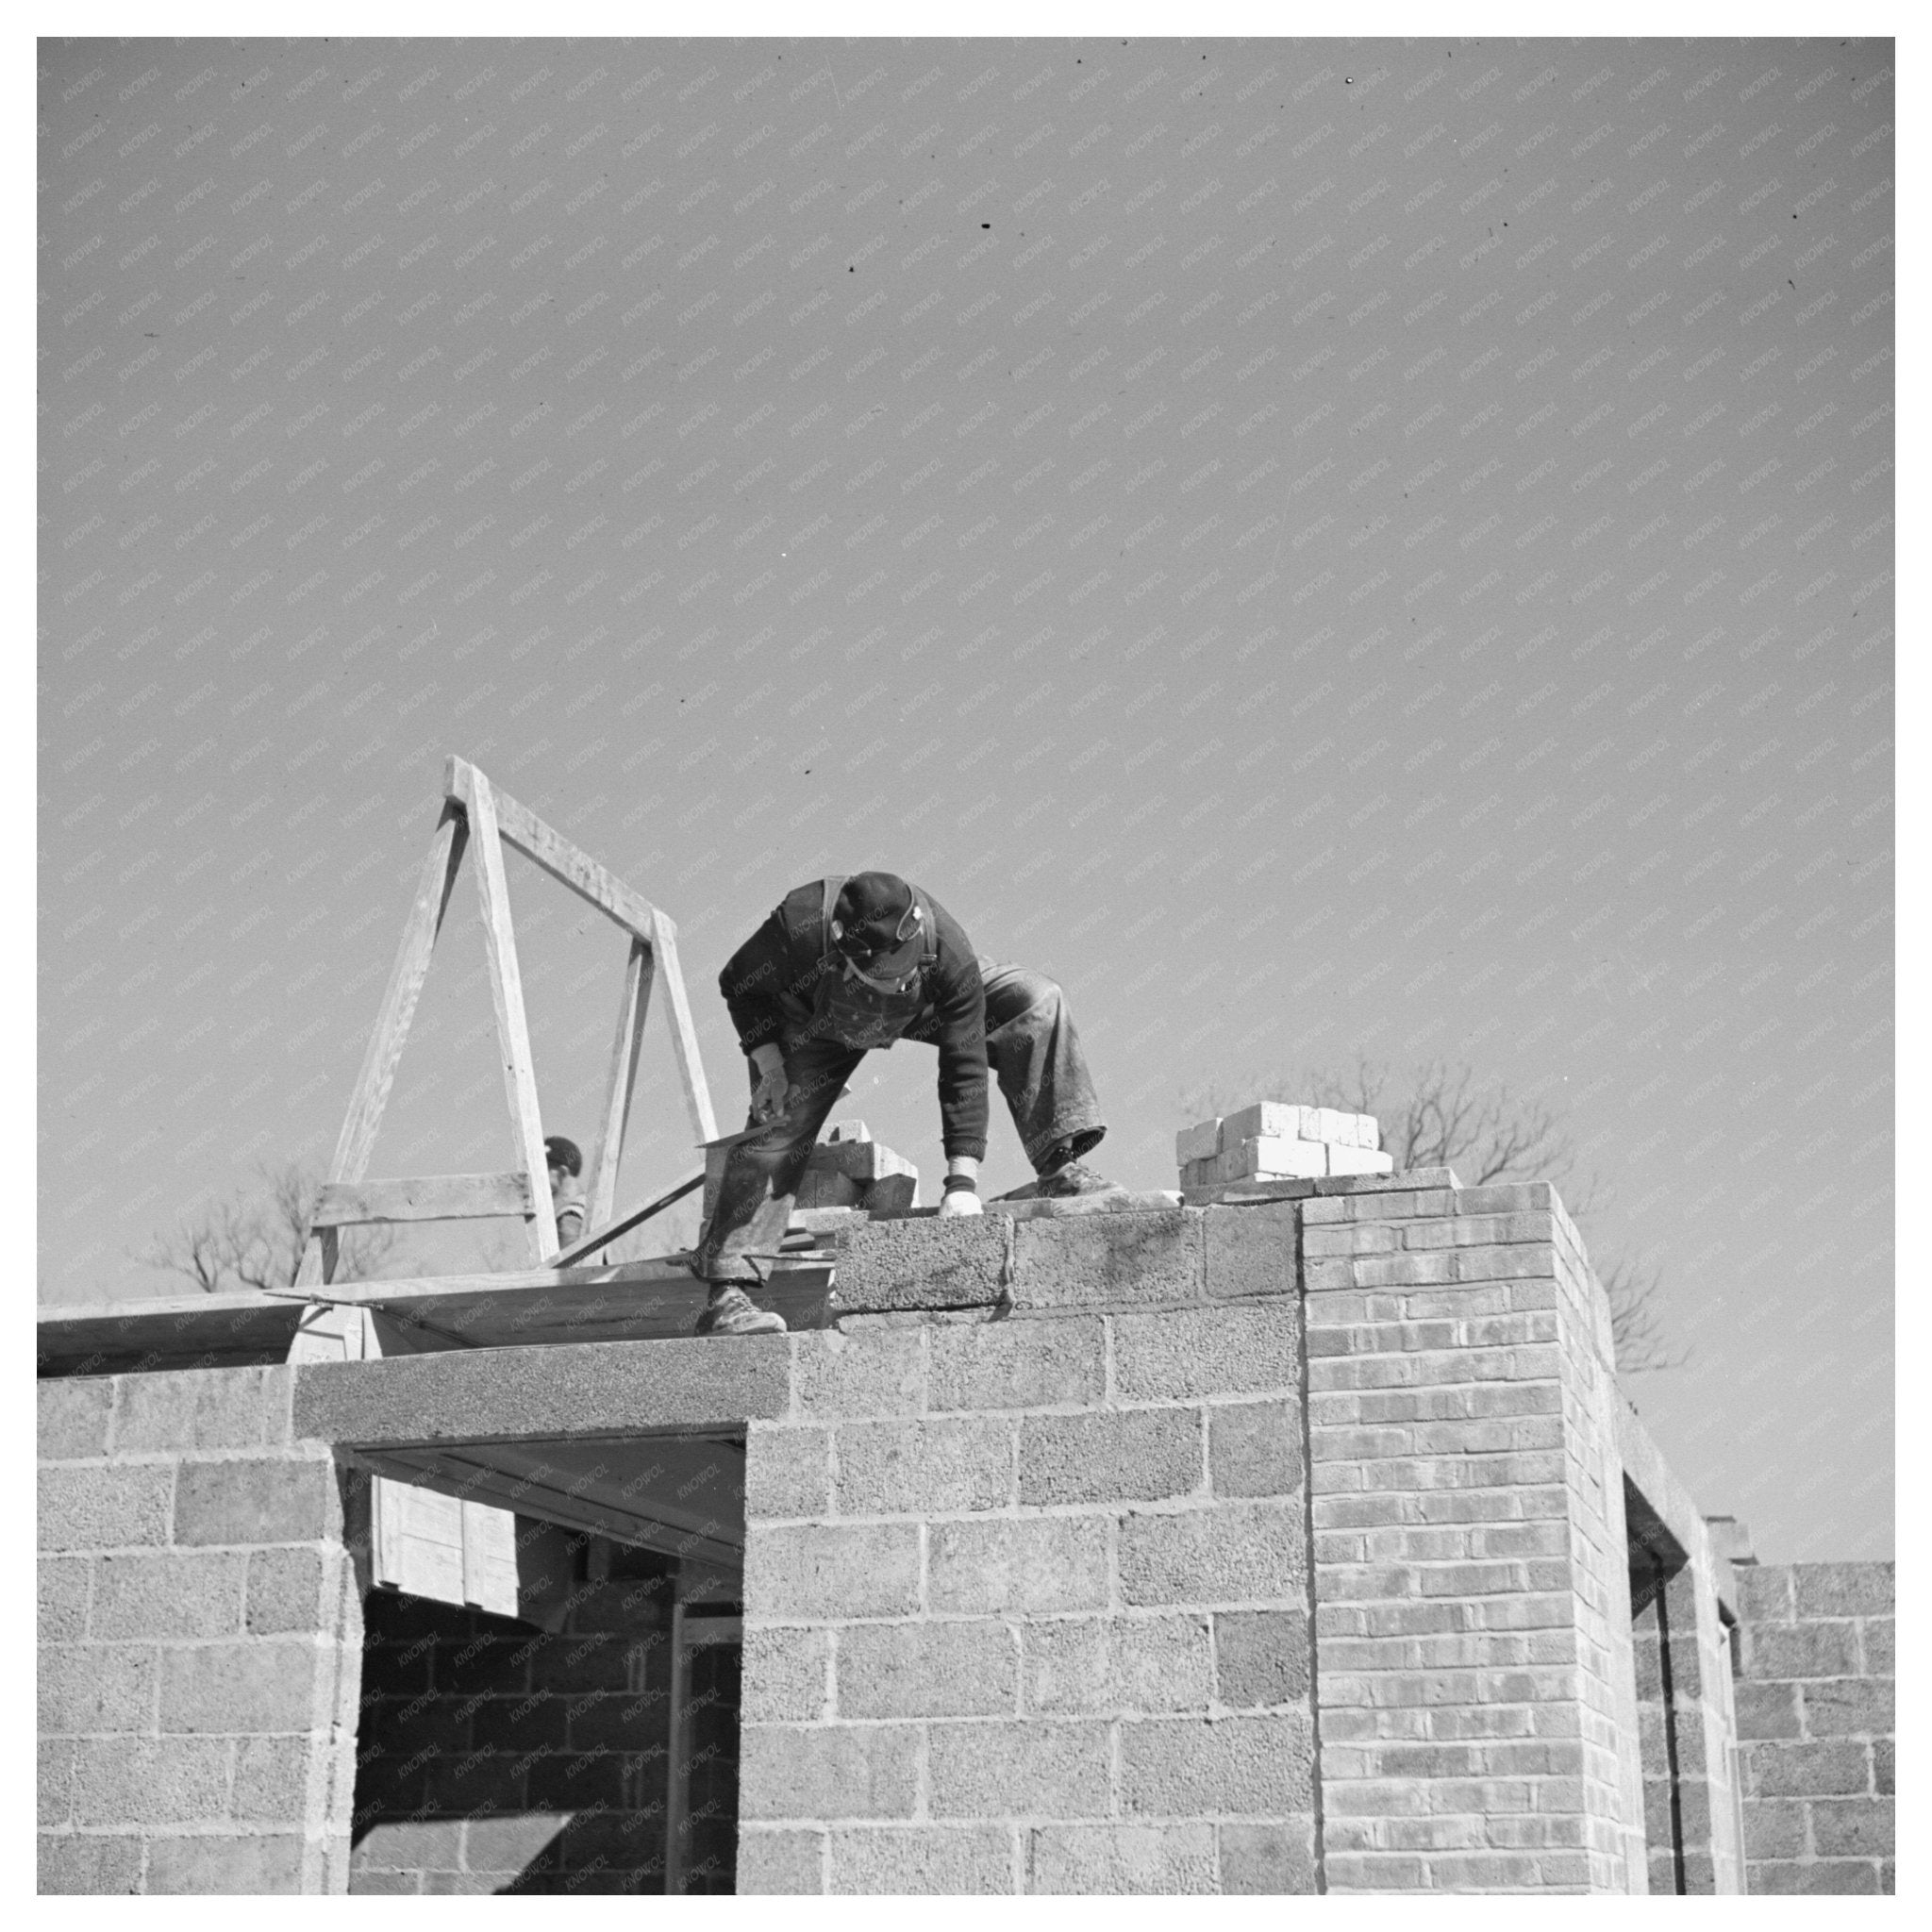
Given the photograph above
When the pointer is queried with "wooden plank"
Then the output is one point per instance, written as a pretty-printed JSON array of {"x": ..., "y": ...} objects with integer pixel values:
[
  {"x": 111, "y": 1338},
  {"x": 430, "y": 1197},
  {"x": 512, "y": 1027},
  {"x": 677, "y": 1772},
  {"x": 684, "y": 1036},
  {"x": 603, "y": 1236},
  {"x": 632, "y": 1009},
  {"x": 378, "y": 1072},
  {"x": 548, "y": 848}
]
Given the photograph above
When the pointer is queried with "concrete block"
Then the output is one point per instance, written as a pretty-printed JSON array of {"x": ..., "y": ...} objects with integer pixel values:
[
  {"x": 54, "y": 1780},
  {"x": 787, "y": 1674},
  {"x": 928, "y": 1670},
  {"x": 1184, "y": 1765},
  {"x": 89, "y": 1863},
  {"x": 1766, "y": 1710},
  {"x": 1275, "y": 1858},
  {"x": 1231, "y": 1553},
  {"x": 171, "y": 1594},
  {"x": 1852, "y": 1827},
  {"x": 1037, "y": 1769},
  {"x": 922, "y": 1263},
  {"x": 254, "y": 1499},
  {"x": 1027, "y": 1363},
  {"x": 788, "y": 1472},
  {"x": 284, "y": 1591},
  {"x": 71, "y": 1416},
  {"x": 1779, "y": 1769},
  {"x": 1255, "y": 1448},
  {"x": 895, "y": 1468},
  {"x": 1885, "y": 1766},
  {"x": 1849, "y": 1708},
  {"x": 923, "y": 1860},
  {"x": 1250, "y": 1250},
  {"x": 1202, "y": 1141},
  {"x": 1106, "y": 1260},
  {"x": 1184, "y": 1353},
  {"x": 120, "y": 1781},
  {"x": 1017, "y": 1565},
  {"x": 1358, "y": 1160},
  {"x": 1801, "y": 1650},
  {"x": 1878, "y": 1640},
  {"x": 603, "y": 1388},
  {"x": 1774, "y": 1829},
  {"x": 828, "y": 1770},
  {"x": 1844, "y": 1590},
  {"x": 271, "y": 1780},
  {"x": 253, "y": 1863},
  {"x": 100, "y": 1507},
  {"x": 820, "y": 1570},
  {"x": 780, "y": 1863},
  {"x": 96, "y": 1687},
  {"x": 1765, "y": 1594},
  {"x": 871, "y": 1368},
  {"x": 1111, "y": 1859},
  {"x": 1260, "y": 1656},
  {"x": 1140, "y": 1454},
  {"x": 198, "y": 1408},
  {"x": 1095, "y": 1666},
  {"x": 258, "y": 1687},
  {"x": 62, "y": 1589},
  {"x": 1821, "y": 1877}
]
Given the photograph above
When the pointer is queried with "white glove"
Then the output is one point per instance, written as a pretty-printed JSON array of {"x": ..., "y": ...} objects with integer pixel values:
[
  {"x": 957, "y": 1202},
  {"x": 768, "y": 1096}
]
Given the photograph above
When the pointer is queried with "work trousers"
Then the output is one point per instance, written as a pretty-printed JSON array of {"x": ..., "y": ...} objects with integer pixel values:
[{"x": 1031, "y": 1049}]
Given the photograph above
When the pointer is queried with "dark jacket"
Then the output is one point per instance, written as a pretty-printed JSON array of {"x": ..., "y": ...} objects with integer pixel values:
[{"x": 770, "y": 984}]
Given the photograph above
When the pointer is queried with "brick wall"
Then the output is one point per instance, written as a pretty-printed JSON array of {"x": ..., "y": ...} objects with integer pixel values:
[
  {"x": 1815, "y": 1720},
  {"x": 1474, "y": 1693},
  {"x": 1027, "y": 1598},
  {"x": 199, "y": 1640},
  {"x": 494, "y": 1756}
]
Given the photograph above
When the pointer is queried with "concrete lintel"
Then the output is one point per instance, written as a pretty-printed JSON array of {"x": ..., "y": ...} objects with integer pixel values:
[
  {"x": 501, "y": 1395},
  {"x": 1666, "y": 1504}
]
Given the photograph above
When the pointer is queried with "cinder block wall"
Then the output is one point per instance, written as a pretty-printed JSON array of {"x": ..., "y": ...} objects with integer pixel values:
[
  {"x": 200, "y": 1635},
  {"x": 1474, "y": 1671},
  {"x": 1026, "y": 1593},
  {"x": 1816, "y": 1724},
  {"x": 493, "y": 1757}
]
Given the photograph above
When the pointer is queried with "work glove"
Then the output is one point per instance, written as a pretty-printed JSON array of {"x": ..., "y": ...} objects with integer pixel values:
[
  {"x": 768, "y": 1096},
  {"x": 957, "y": 1202}
]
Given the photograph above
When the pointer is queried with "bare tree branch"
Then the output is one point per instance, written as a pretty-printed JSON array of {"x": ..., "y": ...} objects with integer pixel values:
[
  {"x": 255, "y": 1238},
  {"x": 1440, "y": 1115}
]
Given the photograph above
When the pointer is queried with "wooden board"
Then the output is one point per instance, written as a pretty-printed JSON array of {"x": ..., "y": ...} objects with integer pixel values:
[
  {"x": 430, "y": 1197},
  {"x": 554, "y": 853},
  {"x": 684, "y": 1035},
  {"x": 185, "y": 1331},
  {"x": 512, "y": 1026},
  {"x": 378, "y": 1072},
  {"x": 633, "y": 1008}
]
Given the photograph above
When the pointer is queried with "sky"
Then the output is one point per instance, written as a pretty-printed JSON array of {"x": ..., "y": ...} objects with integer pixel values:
[{"x": 1329, "y": 549}]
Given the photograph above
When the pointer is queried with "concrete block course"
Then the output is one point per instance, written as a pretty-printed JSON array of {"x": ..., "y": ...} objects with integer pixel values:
[
  {"x": 1190, "y": 1353},
  {"x": 253, "y": 1500},
  {"x": 776, "y": 1862},
  {"x": 95, "y": 1507},
  {"x": 73, "y": 1418},
  {"x": 212, "y": 1408},
  {"x": 834, "y": 1771},
  {"x": 1095, "y": 1859},
  {"x": 1174, "y": 1767},
  {"x": 868, "y": 1368},
  {"x": 1234, "y": 1553},
  {"x": 1107, "y": 1260},
  {"x": 1249, "y": 1251},
  {"x": 861, "y": 1570},
  {"x": 952, "y": 1669},
  {"x": 1091, "y": 1665},
  {"x": 1040, "y": 1769},
  {"x": 923, "y": 1860},
  {"x": 1255, "y": 1448},
  {"x": 922, "y": 1263},
  {"x": 788, "y": 1472},
  {"x": 1024, "y": 1566},
  {"x": 918, "y": 1467}
]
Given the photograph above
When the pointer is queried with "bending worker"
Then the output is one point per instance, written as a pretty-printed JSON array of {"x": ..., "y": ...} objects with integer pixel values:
[{"x": 846, "y": 964}]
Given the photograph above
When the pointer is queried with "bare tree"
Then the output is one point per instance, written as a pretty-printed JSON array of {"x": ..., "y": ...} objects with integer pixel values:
[
  {"x": 255, "y": 1238},
  {"x": 1441, "y": 1114}
]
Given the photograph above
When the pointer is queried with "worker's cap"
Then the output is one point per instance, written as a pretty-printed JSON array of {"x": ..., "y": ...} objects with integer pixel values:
[
  {"x": 876, "y": 924},
  {"x": 563, "y": 1152}
]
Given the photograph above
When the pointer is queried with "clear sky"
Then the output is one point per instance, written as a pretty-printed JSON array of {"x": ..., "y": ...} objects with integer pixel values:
[{"x": 1324, "y": 547}]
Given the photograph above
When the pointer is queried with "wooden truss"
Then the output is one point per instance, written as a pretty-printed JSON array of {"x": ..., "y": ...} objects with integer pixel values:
[{"x": 473, "y": 810}]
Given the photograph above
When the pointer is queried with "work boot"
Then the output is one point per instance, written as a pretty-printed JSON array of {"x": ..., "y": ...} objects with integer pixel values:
[
  {"x": 731, "y": 1311},
  {"x": 1074, "y": 1177}
]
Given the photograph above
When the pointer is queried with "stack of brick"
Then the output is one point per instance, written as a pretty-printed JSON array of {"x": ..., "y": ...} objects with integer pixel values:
[
  {"x": 1026, "y": 1599},
  {"x": 1275, "y": 1140},
  {"x": 200, "y": 1633},
  {"x": 1816, "y": 1724}
]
